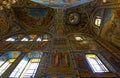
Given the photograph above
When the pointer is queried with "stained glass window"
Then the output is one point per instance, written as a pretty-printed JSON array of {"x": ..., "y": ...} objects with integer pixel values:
[{"x": 95, "y": 63}]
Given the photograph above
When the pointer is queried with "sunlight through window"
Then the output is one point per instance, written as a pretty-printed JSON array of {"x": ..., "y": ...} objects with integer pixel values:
[
  {"x": 31, "y": 68},
  {"x": 26, "y": 68},
  {"x": 29, "y": 38},
  {"x": 78, "y": 38},
  {"x": 39, "y": 39},
  {"x": 6, "y": 65},
  {"x": 10, "y": 39},
  {"x": 98, "y": 21},
  {"x": 20, "y": 67},
  {"x": 24, "y": 39},
  {"x": 95, "y": 63},
  {"x": 1, "y": 62}
]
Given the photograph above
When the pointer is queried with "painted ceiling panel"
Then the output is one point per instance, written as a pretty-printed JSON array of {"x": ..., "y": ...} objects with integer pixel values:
[
  {"x": 61, "y": 3},
  {"x": 37, "y": 16}
]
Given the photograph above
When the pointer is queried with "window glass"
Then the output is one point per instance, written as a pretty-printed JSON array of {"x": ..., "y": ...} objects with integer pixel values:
[
  {"x": 95, "y": 63},
  {"x": 98, "y": 21},
  {"x": 26, "y": 68},
  {"x": 29, "y": 38},
  {"x": 6, "y": 65},
  {"x": 20, "y": 67},
  {"x": 24, "y": 39},
  {"x": 6, "y": 59},
  {"x": 78, "y": 38},
  {"x": 1, "y": 62},
  {"x": 31, "y": 68},
  {"x": 39, "y": 39},
  {"x": 10, "y": 39}
]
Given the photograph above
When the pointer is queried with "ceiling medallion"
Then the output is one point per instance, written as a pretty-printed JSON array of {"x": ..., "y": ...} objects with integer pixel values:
[
  {"x": 74, "y": 18},
  {"x": 6, "y": 4}
]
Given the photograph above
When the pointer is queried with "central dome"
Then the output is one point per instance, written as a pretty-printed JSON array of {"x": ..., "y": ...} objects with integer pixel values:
[{"x": 61, "y": 3}]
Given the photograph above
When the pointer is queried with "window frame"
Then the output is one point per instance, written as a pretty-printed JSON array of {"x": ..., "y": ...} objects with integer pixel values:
[
  {"x": 6, "y": 65},
  {"x": 20, "y": 73},
  {"x": 103, "y": 68},
  {"x": 98, "y": 21}
]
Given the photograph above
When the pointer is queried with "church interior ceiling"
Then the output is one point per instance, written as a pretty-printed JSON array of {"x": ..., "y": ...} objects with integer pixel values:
[
  {"x": 110, "y": 30},
  {"x": 42, "y": 19},
  {"x": 34, "y": 18},
  {"x": 61, "y": 3},
  {"x": 39, "y": 17},
  {"x": 62, "y": 32}
]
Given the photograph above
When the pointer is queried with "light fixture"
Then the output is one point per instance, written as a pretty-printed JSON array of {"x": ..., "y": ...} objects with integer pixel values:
[{"x": 6, "y": 4}]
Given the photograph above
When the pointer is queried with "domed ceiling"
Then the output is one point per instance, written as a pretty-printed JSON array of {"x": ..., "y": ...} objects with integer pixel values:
[
  {"x": 34, "y": 18},
  {"x": 61, "y": 3}
]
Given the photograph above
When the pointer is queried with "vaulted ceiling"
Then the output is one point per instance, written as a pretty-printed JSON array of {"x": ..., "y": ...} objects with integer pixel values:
[
  {"x": 59, "y": 19},
  {"x": 31, "y": 17}
]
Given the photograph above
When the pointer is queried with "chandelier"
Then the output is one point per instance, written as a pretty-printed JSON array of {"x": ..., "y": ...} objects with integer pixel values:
[{"x": 6, "y": 4}]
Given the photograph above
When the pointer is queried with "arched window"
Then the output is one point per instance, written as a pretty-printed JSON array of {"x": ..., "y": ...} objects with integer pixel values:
[
  {"x": 6, "y": 65},
  {"x": 28, "y": 66},
  {"x": 43, "y": 37},
  {"x": 20, "y": 67},
  {"x": 98, "y": 21},
  {"x": 95, "y": 63},
  {"x": 78, "y": 38},
  {"x": 6, "y": 60},
  {"x": 31, "y": 68}
]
